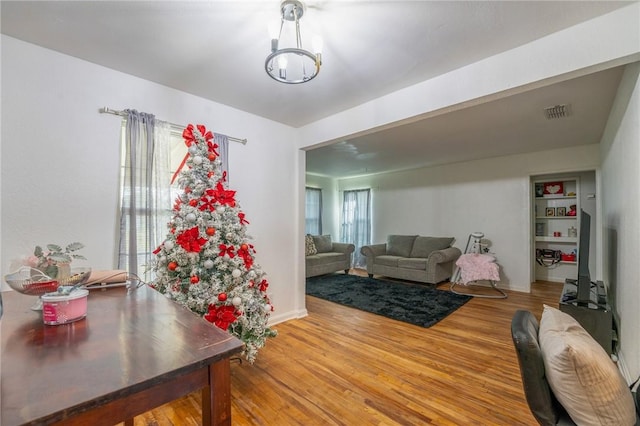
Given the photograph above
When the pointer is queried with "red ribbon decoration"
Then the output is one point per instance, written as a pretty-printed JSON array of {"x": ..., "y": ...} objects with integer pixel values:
[
  {"x": 226, "y": 250},
  {"x": 264, "y": 285},
  {"x": 190, "y": 139},
  {"x": 243, "y": 221}
]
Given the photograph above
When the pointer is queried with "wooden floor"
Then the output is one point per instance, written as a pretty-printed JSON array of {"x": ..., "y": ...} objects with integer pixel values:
[{"x": 341, "y": 366}]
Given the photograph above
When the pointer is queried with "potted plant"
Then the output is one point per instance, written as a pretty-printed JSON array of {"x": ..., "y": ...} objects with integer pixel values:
[{"x": 55, "y": 261}]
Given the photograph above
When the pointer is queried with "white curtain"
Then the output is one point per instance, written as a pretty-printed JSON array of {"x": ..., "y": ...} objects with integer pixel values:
[
  {"x": 313, "y": 211},
  {"x": 145, "y": 197},
  {"x": 356, "y": 222}
]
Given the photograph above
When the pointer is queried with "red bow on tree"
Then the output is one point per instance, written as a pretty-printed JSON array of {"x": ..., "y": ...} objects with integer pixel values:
[
  {"x": 263, "y": 285},
  {"x": 190, "y": 240},
  {"x": 221, "y": 316},
  {"x": 212, "y": 147},
  {"x": 207, "y": 203},
  {"x": 243, "y": 221},
  {"x": 190, "y": 139},
  {"x": 226, "y": 250}
]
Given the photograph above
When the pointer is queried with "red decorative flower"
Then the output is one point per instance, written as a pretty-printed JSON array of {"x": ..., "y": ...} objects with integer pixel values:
[
  {"x": 221, "y": 316},
  {"x": 190, "y": 240},
  {"x": 222, "y": 196},
  {"x": 263, "y": 285}
]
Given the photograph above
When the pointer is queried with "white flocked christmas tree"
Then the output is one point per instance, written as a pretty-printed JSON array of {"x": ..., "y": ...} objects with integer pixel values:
[{"x": 206, "y": 262}]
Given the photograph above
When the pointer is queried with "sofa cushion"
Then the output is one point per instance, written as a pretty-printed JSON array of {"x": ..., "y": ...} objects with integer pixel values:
[
  {"x": 324, "y": 258},
  {"x": 309, "y": 245},
  {"x": 400, "y": 245},
  {"x": 413, "y": 263},
  {"x": 423, "y": 246},
  {"x": 582, "y": 376},
  {"x": 387, "y": 260},
  {"x": 323, "y": 243}
]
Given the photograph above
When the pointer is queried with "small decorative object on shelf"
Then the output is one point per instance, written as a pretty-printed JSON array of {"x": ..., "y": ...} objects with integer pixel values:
[
  {"x": 539, "y": 190},
  {"x": 572, "y": 210},
  {"x": 550, "y": 211},
  {"x": 539, "y": 229},
  {"x": 561, "y": 211},
  {"x": 553, "y": 189}
]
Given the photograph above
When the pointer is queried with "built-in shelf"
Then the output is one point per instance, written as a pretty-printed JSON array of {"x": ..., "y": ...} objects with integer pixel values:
[
  {"x": 556, "y": 197},
  {"x": 570, "y": 240},
  {"x": 555, "y": 217}
]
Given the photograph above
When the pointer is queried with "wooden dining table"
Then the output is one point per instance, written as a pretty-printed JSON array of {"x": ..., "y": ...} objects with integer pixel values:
[{"x": 134, "y": 351}]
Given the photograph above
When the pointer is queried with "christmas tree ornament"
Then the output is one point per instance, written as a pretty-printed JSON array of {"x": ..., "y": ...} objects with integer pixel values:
[{"x": 207, "y": 235}]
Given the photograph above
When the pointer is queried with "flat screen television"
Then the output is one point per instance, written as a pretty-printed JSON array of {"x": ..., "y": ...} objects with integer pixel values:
[{"x": 583, "y": 291}]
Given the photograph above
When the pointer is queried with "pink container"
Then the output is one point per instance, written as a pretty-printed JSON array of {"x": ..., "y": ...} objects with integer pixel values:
[{"x": 59, "y": 308}]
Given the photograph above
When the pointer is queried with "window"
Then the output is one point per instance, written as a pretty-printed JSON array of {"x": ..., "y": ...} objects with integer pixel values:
[
  {"x": 313, "y": 211},
  {"x": 356, "y": 222},
  {"x": 143, "y": 226}
]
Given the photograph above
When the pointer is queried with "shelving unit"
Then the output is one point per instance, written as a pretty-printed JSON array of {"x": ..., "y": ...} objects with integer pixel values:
[{"x": 556, "y": 223}]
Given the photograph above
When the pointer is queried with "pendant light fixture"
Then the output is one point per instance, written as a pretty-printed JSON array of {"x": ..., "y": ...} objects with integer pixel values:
[{"x": 291, "y": 65}]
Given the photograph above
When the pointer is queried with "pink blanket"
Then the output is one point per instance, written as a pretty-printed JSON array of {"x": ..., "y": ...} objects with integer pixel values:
[{"x": 474, "y": 267}]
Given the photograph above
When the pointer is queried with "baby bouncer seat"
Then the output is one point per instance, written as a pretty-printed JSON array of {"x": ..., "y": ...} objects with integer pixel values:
[{"x": 477, "y": 264}]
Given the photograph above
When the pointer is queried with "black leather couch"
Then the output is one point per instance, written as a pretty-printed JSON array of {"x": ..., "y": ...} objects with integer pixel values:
[{"x": 542, "y": 403}]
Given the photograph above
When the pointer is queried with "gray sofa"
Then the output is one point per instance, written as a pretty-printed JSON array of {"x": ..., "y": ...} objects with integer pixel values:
[
  {"x": 323, "y": 256},
  {"x": 412, "y": 257}
]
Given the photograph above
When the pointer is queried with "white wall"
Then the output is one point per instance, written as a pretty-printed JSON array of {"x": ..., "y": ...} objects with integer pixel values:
[
  {"x": 60, "y": 162},
  {"x": 492, "y": 196},
  {"x": 621, "y": 214}
]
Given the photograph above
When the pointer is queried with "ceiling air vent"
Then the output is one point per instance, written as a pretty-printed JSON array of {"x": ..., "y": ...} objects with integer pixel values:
[{"x": 558, "y": 111}]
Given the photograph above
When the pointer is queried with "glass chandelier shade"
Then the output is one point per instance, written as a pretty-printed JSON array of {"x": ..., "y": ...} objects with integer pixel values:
[{"x": 292, "y": 65}]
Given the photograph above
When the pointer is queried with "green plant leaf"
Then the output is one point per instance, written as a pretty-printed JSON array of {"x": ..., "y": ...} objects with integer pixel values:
[
  {"x": 60, "y": 257},
  {"x": 38, "y": 251},
  {"x": 54, "y": 248},
  {"x": 74, "y": 247}
]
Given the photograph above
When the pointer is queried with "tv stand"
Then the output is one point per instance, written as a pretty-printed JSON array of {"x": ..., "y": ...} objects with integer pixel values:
[{"x": 594, "y": 315}]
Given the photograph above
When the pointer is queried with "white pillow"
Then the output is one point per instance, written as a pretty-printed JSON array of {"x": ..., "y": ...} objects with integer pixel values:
[{"x": 581, "y": 375}]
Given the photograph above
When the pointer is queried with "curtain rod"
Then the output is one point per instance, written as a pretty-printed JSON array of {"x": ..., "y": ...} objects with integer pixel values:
[{"x": 106, "y": 110}]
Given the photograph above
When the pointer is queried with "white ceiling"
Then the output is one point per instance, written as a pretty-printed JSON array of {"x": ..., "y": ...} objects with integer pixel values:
[{"x": 216, "y": 50}]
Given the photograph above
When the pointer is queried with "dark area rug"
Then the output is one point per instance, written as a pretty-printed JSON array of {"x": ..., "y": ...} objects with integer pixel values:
[{"x": 413, "y": 303}]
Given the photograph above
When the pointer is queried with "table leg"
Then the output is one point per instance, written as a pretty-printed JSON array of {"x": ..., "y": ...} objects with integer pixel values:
[{"x": 216, "y": 398}]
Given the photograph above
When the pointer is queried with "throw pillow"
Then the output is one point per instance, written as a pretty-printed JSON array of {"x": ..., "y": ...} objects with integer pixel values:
[
  {"x": 423, "y": 246},
  {"x": 309, "y": 246},
  {"x": 323, "y": 243},
  {"x": 400, "y": 245},
  {"x": 582, "y": 376}
]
